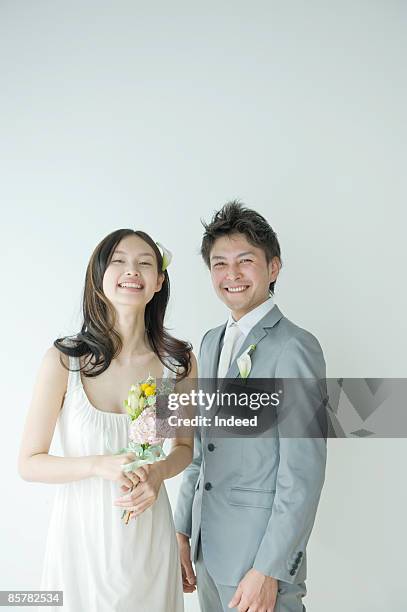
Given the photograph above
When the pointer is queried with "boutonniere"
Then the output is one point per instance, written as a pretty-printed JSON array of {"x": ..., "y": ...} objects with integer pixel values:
[{"x": 244, "y": 363}]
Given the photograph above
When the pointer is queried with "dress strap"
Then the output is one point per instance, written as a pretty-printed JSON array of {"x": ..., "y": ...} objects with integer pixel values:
[{"x": 74, "y": 377}]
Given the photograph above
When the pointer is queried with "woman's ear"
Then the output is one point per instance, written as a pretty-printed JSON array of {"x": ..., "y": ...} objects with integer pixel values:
[{"x": 160, "y": 280}]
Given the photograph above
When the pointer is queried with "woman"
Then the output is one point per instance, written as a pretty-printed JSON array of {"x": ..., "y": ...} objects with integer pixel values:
[{"x": 100, "y": 563}]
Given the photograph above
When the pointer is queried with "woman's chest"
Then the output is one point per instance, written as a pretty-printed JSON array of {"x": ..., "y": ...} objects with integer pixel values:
[{"x": 108, "y": 390}]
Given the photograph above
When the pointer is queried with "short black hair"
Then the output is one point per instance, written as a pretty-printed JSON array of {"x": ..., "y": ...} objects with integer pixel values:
[{"x": 235, "y": 218}]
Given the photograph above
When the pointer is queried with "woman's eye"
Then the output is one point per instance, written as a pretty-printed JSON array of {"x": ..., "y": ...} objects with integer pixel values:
[
  {"x": 145, "y": 263},
  {"x": 117, "y": 261}
]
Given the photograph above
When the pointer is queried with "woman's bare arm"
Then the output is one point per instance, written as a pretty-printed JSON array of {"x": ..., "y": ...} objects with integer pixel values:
[
  {"x": 182, "y": 448},
  {"x": 35, "y": 464}
]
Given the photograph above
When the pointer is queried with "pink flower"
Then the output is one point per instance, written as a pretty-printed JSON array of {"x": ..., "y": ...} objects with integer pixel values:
[{"x": 143, "y": 429}]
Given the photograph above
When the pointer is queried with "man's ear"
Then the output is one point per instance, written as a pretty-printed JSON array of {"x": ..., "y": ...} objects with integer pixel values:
[{"x": 275, "y": 265}]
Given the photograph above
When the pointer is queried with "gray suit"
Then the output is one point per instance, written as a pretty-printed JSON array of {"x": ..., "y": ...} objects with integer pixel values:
[{"x": 251, "y": 502}]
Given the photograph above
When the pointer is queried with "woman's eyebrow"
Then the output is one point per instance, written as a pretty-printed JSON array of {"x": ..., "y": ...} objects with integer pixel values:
[{"x": 138, "y": 255}]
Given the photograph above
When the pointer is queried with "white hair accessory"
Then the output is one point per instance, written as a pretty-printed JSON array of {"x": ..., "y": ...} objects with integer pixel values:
[{"x": 165, "y": 254}]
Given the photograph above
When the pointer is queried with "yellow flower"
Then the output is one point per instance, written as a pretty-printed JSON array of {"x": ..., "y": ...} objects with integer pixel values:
[
  {"x": 149, "y": 390},
  {"x": 144, "y": 386}
]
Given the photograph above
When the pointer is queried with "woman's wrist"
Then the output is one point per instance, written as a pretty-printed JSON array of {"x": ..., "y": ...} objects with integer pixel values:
[
  {"x": 160, "y": 467},
  {"x": 92, "y": 463}
]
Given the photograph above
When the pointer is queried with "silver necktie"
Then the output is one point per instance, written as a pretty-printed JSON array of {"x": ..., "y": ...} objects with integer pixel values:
[{"x": 231, "y": 335}]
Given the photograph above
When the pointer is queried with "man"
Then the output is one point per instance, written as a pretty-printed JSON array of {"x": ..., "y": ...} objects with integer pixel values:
[{"x": 249, "y": 504}]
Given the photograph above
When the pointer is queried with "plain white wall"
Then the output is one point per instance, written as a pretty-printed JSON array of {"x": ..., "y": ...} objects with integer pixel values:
[{"x": 126, "y": 114}]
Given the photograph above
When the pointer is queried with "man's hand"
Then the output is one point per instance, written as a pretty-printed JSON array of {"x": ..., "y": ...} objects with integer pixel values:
[
  {"x": 255, "y": 593},
  {"x": 188, "y": 576}
]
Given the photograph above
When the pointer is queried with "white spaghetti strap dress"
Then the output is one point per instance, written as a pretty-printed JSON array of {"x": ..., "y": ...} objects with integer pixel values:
[{"x": 101, "y": 564}]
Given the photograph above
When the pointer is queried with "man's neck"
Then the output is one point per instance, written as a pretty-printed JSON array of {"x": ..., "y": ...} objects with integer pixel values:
[{"x": 236, "y": 315}]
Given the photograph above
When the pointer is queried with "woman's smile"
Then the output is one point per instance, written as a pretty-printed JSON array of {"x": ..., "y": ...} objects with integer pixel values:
[{"x": 131, "y": 286}]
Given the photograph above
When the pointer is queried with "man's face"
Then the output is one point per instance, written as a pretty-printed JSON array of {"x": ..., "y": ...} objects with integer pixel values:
[{"x": 240, "y": 273}]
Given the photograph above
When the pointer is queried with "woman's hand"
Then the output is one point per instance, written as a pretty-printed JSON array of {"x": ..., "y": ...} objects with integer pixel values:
[
  {"x": 110, "y": 467},
  {"x": 146, "y": 492}
]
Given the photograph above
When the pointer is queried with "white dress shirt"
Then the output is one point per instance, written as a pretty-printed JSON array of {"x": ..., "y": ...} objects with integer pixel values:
[{"x": 247, "y": 322}]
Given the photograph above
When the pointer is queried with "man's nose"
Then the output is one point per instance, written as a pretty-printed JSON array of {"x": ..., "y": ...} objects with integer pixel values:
[{"x": 233, "y": 272}]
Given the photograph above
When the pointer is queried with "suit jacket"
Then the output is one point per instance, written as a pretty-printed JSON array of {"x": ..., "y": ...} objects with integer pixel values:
[{"x": 253, "y": 500}]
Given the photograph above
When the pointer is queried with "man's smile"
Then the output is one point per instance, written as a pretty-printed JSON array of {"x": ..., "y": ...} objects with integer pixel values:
[{"x": 237, "y": 289}]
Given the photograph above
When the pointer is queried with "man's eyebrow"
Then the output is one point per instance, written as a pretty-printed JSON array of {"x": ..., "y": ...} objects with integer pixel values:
[{"x": 239, "y": 255}]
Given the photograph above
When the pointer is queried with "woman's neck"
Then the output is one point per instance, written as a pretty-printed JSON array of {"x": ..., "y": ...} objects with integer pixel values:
[{"x": 132, "y": 331}]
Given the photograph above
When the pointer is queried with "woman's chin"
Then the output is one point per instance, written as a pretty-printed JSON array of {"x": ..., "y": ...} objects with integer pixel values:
[{"x": 132, "y": 301}]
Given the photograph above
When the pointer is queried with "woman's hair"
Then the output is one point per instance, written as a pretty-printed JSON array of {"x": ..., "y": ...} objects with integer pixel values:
[
  {"x": 234, "y": 218},
  {"x": 98, "y": 340}
]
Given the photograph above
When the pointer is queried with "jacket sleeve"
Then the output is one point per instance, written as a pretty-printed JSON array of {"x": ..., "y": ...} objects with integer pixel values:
[
  {"x": 301, "y": 427},
  {"x": 183, "y": 510}
]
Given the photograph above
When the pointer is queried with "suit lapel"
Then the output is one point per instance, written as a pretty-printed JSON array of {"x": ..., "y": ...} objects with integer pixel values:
[
  {"x": 213, "y": 353},
  {"x": 255, "y": 336},
  {"x": 209, "y": 372}
]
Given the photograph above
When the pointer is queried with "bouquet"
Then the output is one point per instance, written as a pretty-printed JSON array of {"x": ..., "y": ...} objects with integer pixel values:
[{"x": 143, "y": 441}]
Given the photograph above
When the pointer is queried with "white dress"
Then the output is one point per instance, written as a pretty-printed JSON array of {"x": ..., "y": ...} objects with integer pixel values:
[{"x": 101, "y": 564}]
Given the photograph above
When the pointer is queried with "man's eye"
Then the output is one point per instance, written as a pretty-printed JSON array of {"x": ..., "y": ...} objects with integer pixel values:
[
  {"x": 245, "y": 260},
  {"x": 219, "y": 264},
  {"x": 145, "y": 263}
]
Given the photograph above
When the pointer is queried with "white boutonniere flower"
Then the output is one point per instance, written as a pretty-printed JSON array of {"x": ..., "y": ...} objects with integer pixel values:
[{"x": 244, "y": 362}]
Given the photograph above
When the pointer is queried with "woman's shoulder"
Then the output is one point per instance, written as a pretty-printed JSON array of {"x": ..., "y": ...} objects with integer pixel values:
[
  {"x": 53, "y": 357},
  {"x": 174, "y": 365},
  {"x": 55, "y": 367},
  {"x": 67, "y": 342},
  {"x": 69, "y": 350}
]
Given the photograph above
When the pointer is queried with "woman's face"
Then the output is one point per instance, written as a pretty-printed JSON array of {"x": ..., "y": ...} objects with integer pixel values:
[{"x": 132, "y": 277}]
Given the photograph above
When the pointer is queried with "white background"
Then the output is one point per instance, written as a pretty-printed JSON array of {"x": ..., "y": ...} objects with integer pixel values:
[{"x": 151, "y": 115}]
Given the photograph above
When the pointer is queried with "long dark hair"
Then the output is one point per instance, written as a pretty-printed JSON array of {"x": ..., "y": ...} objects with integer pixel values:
[{"x": 98, "y": 340}]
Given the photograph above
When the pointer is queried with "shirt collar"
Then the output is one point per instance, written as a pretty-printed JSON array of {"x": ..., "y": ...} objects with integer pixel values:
[{"x": 249, "y": 320}]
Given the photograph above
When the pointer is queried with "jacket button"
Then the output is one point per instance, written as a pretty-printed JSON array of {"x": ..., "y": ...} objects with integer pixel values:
[
  {"x": 300, "y": 554},
  {"x": 208, "y": 486},
  {"x": 292, "y": 572},
  {"x": 211, "y": 447}
]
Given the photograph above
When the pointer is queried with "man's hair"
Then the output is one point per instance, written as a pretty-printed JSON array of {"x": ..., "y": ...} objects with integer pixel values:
[{"x": 234, "y": 218}]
